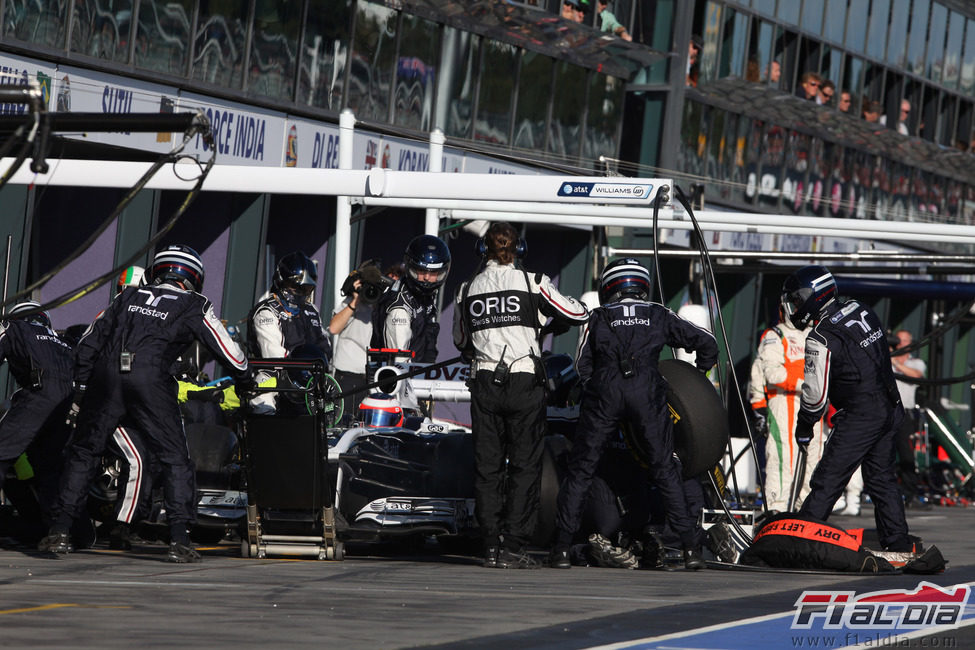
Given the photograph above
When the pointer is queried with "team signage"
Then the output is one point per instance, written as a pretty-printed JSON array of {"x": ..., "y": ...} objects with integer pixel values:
[{"x": 609, "y": 191}]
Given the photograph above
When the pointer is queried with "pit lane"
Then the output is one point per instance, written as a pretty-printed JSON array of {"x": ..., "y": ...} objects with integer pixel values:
[{"x": 381, "y": 597}]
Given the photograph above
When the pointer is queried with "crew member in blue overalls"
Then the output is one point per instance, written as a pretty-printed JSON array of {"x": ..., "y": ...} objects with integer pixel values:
[
  {"x": 848, "y": 365},
  {"x": 617, "y": 361}
]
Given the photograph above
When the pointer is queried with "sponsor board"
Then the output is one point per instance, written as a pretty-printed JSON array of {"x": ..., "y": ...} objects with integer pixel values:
[
  {"x": 21, "y": 71},
  {"x": 314, "y": 144},
  {"x": 86, "y": 91},
  {"x": 241, "y": 134}
]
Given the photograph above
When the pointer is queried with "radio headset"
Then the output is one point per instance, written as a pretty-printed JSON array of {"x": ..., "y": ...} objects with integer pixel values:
[{"x": 521, "y": 248}]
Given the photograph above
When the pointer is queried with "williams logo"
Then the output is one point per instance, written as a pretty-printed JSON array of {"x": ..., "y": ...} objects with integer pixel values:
[{"x": 927, "y": 605}]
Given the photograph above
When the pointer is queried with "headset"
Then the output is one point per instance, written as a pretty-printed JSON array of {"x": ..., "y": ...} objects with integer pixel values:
[{"x": 521, "y": 248}]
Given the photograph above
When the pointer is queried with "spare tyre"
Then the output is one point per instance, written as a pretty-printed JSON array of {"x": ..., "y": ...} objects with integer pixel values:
[{"x": 700, "y": 422}]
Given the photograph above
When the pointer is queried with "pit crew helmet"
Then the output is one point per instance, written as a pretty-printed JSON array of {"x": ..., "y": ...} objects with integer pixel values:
[
  {"x": 426, "y": 254},
  {"x": 178, "y": 264},
  {"x": 41, "y": 318},
  {"x": 380, "y": 410},
  {"x": 132, "y": 276},
  {"x": 295, "y": 277},
  {"x": 624, "y": 278},
  {"x": 806, "y": 293}
]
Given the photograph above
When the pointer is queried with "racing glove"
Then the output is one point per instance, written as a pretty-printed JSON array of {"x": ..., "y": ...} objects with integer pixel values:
[
  {"x": 245, "y": 383},
  {"x": 804, "y": 434},
  {"x": 71, "y": 419},
  {"x": 761, "y": 421},
  {"x": 214, "y": 395}
]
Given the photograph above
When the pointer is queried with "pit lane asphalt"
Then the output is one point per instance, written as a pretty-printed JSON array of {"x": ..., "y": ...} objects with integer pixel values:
[{"x": 101, "y": 598}]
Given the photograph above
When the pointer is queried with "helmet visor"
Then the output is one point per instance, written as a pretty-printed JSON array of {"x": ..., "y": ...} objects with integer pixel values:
[
  {"x": 380, "y": 418},
  {"x": 427, "y": 276}
]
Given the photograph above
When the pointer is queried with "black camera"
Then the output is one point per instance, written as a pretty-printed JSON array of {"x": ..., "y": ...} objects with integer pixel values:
[
  {"x": 893, "y": 341},
  {"x": 372, "y": 283}
]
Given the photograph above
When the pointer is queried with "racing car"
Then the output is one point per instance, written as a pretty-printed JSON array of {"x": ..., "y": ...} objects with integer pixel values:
[{"x": 398, "y": 475}]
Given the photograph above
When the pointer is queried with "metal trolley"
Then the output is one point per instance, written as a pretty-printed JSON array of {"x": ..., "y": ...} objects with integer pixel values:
[{"x": 290, "y": 489}]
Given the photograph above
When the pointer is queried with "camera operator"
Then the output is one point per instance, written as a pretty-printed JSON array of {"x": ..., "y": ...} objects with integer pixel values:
[{"x": 351, "y": 325}]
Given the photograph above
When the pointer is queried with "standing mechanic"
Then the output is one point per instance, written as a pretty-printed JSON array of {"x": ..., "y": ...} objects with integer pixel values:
[
  {"x": 848, "y": 364},
  {"x": 124, "y": 366},
  {"x": 497, "y": 322},
  {"x": 407, "y": 319},
  {"x": 774, "y": 393},
  {"x": 618, "y": 363},
  {"x": 42, "y": 365}
]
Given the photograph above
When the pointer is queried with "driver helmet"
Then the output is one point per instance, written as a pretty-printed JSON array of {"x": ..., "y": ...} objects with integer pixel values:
[
  {"x": 380, "y": 410},
  {"x": 41, "y": 318},
  {"x": 806, "y": 294},
  {"x": 131, "y": 277},
  {"x": 295, "y": 278},
  {"x": 426, "y": 255},
  {"x": 179, "y": 264},
  {"x": 624, "y": 278}
]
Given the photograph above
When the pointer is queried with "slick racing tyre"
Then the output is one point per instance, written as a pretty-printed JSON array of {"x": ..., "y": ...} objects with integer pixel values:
[
  {"x": 700, "y": 423},
  {"x": 548, "y": 492}
]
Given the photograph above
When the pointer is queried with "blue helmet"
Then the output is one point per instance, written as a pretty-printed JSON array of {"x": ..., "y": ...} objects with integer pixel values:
[
  {"x": 806, "y": 293},
  {"x": 179, "y": 264},
  {"x": 37, "y": 317},
  {"x": 295, "y": 277},
  {"x": 624, "y": 278},
  {"x": 428, "y": 255}
]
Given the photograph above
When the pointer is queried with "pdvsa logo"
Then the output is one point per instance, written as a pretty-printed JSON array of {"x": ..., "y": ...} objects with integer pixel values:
[{"x": 927, "y": 605}]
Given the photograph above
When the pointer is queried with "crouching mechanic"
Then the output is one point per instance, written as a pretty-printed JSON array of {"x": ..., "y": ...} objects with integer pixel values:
[
  {"x": 124, "y": 366},
  {"x": 498, "y": 317},
  {"x": 848, "y": 365},
  {"x": 618, "y": 362},
  {"x": 42, "y": 365}
]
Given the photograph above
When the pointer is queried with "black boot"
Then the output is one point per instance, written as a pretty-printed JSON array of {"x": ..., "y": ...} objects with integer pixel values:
[
  {"x": 491, "y": 557},
  {"x": 559, "y": 558},
  {"x": 693, "y": 560},
  {"x": 57, "y": 542}
]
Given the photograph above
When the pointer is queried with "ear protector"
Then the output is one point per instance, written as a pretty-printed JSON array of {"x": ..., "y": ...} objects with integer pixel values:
[{"x": 521, "y": 248}]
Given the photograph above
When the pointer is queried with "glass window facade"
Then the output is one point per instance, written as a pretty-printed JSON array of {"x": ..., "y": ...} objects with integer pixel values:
[
  {"x": 274, "y": 49},
  {"x": 373, "y": 61},
  {"x": 324, "y": 51},
  {"x": 565, "y": 128},
  {"x": 102, "y": 29},
  {"x": 416, "y": 73},
  {"x": 493, "y": 122},
  {"x": 40, "y": 22},
  {"x": 219, "y": 44},
  {"x": 531, "y": 114},
  {"x": 162, "y": 38}
]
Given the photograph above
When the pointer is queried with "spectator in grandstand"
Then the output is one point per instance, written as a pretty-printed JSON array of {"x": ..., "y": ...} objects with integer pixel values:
[
  {"x": 826, "y": 91},
  {"x": 608, "y": 21},
  {"x": 845, "y": 102},
  {"x": 809, "y": 86},
  {"x": 871, "y": 111},
  {"x": 902, "y": 118}
]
